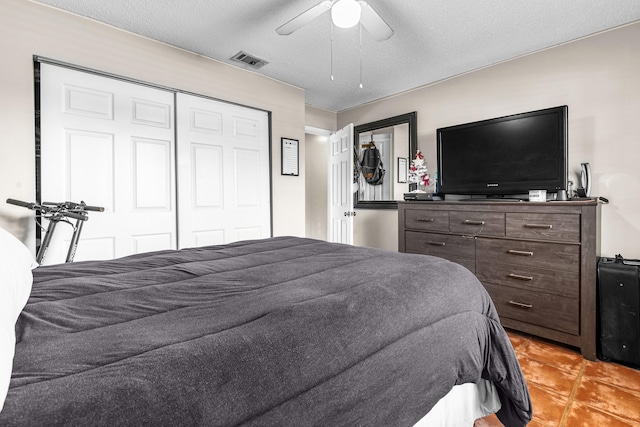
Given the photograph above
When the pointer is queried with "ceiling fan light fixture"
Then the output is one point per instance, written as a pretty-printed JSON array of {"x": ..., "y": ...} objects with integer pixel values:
[{"x": 346, "y": 13}]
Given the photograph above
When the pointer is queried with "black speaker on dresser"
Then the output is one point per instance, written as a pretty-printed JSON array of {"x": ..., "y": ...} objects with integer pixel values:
[{"x": 619, "y": 310}]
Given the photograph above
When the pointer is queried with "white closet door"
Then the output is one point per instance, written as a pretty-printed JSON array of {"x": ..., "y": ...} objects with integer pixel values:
[
  {"x": 223, "y": 172},
  {"x": 109, "y": 143}
]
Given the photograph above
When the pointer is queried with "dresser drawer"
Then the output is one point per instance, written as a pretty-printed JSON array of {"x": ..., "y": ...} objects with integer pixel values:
[
  {"x": 549, "y": 256},
  {"x": 477, "y": 223},
  {"x": 556, "y": 282},
  {"x": 541, "y": 226},
  {"x": 454, "y": 248},
  {"x": 424, "y": 219},
  {"x": 549, "y": 311}
]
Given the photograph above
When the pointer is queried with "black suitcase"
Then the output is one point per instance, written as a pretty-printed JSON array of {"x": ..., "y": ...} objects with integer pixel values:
[{"x": 619, "y": 306}]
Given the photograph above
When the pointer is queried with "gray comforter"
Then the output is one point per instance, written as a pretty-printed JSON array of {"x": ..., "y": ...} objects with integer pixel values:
[{"x": 276, "y": 332}]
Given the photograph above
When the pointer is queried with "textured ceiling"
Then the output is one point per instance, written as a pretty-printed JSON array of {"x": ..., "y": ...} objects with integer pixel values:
[{"x": 433, "y": 40}]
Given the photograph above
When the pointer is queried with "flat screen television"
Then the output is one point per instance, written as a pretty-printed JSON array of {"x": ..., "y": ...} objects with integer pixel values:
[{"x": 506, "y": 155}]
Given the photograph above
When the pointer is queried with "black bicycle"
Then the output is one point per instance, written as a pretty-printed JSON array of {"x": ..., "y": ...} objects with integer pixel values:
[{"x": 56, "y": 213}]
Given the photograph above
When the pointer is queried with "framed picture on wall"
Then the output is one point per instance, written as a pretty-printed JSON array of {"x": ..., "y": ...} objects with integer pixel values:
[
  {"x": 290, "y": 156},
  {"x": 403, "y": 169}
]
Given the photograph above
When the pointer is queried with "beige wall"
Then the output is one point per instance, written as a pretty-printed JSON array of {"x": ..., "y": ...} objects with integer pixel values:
[
  {"x": 28, "y": 29},
  {"x": 320, "y": 122},
  {"x": 321, "y": 119},
  {"x": 316, "y": 185},
  {"x": 597, "y": 77}
]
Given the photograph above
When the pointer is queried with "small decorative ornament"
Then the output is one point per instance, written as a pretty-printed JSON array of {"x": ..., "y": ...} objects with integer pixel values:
[{"x": 418, "y": 173}]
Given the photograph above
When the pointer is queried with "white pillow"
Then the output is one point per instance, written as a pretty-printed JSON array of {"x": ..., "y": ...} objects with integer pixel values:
[{"x": 16, "y": 279}]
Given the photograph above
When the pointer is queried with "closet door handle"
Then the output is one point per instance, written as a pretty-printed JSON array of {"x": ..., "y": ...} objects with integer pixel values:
[
  {"x": 545, "y": 226},
  {"x": 472, "y": 222},
  {"x": 520, "y": 277},
  {"x": 521, "y": 253},
  {"x": 521, "y": 304}
]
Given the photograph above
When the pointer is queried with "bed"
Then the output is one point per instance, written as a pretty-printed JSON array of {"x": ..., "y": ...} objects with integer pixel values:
[{"x": 273, "y": 332}]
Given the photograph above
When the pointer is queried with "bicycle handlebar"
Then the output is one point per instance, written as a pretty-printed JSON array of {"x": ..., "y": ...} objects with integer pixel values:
[
  {"x": 93, "y": 208},
  {"x": 73, "y": 206},
  {"x": 68, "y": 209},
  {"x": 21, "y": 203},
  {"x": 75, "y": 215}
]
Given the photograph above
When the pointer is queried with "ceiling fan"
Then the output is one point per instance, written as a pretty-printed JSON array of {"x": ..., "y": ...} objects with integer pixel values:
[{"x": 344, "y": 14}]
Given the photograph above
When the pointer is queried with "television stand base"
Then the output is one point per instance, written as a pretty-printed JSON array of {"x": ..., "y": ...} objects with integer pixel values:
[{"x": 493, "y": 199}]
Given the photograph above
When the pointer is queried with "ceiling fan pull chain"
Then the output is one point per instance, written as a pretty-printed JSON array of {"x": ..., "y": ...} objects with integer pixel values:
[
  {"x": 331, "y": 61},
  {"x": 360, "y": 56}
]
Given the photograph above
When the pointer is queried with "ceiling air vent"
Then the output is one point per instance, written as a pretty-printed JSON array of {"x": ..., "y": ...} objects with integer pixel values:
[{"x": 251, "y": 61}]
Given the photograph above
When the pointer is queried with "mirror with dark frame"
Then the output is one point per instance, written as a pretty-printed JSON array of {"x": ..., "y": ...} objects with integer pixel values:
[{"x": 396, "y": 139}]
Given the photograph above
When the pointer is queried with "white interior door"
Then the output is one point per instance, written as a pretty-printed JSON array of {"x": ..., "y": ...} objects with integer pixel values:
[
  {"x": 340, "y": 191},
  {"x": 223, "y": 172},
  {"x": 109, "y": 143}
]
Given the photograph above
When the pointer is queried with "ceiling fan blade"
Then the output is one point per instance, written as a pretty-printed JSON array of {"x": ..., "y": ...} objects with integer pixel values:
[
  {"x": 373, "y": 23},
  {"x": 304, "y": 18}
]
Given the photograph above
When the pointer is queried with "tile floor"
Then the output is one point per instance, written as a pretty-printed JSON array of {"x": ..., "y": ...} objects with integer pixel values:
[{"x": 569, "y": 391}]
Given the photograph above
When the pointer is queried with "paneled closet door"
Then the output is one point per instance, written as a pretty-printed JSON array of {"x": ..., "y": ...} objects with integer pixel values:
[
  {"x": 223, "y": 172},
  {"x": 109, "y": 143}
]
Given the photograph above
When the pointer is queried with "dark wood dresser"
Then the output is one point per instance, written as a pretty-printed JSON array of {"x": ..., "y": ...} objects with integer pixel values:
[{"x": 536, "y": 260}]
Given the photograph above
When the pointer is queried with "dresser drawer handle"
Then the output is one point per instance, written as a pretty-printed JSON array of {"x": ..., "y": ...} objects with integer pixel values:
[
  {"x": 436, "y": 243},
  {"x": 472, "y": 222},
  {"x": 424, "y": 219},
  {"x": 520, "y": 277},
  {"x": 545, "y": 226},
  {"x": 521, "y": 304},
  {"x": 521, "y": 253}
]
